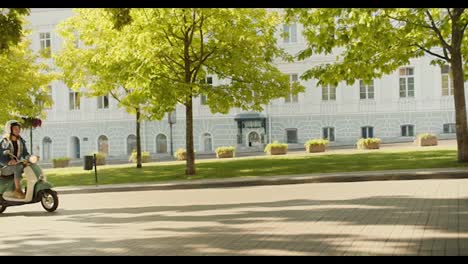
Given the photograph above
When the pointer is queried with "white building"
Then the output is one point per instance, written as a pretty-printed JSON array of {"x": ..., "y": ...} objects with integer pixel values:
[{"x": 414, "y": 99}]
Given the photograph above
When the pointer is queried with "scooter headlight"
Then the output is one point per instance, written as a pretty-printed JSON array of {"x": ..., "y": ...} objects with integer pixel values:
[{"x": 33, "y": 159}]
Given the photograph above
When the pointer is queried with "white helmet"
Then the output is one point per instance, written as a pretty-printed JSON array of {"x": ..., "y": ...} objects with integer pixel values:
[{"x": 8, "y": 125}]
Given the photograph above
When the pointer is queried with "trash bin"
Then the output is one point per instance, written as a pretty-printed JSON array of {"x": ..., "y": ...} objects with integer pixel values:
[{"x": 88, "y": 162}]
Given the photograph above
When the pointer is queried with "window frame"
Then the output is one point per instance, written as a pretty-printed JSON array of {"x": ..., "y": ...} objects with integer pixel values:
[
  {"x": 404, "y": 129},
  {"x": 328, "y": 129},
  {"x": 366, "y": 92},
  {"x": 327, "y": 93},
  {"x": 296, "y": 141},
  {"x": 365, "y": 130},
  {"x": 76, "y": 98},
  {"x": 405, "y": 75}
]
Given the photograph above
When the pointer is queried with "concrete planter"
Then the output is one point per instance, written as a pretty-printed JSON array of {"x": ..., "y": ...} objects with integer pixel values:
[
  {"x": 370, "y": 146},
  {"x": 228, "y": 154},
  {"x": 315, "y": 148},
  {"x": 277, "y": 151},
  {"x": 61, "y": 163},
  {"x": 426, "y": 142}
]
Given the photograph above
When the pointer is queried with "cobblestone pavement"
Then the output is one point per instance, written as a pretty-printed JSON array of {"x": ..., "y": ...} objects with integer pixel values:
[{"x": 418, "y": 217}]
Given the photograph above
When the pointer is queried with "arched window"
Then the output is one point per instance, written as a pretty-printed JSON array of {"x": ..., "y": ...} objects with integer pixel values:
[
  {"x": 131, "y": 144},
  {"x": 254, "y": 139},
  {"x": 75, "y": 148},
  {"x": 161, "y": 143},
  {"x": 103, "y": 145},
  {"x": 46, "y": 148},
  {"x": 207, "y": 142}
]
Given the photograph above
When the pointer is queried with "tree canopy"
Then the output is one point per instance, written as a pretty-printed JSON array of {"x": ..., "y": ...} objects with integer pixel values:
[
  {"x": 11, "y": 26},
  {"x": 180, "y": 47}
]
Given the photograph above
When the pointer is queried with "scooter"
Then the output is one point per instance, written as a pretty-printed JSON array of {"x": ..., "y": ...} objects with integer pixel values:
[{"x": 37, "y": 189}]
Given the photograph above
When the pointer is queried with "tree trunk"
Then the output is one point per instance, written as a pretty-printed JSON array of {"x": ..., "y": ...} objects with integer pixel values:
[
  {"x": 138, "y": 138},
  {"x": 190, "y": 170},
  {"x": 459, "y": 91},
  {"x": 460, "y": 107}
]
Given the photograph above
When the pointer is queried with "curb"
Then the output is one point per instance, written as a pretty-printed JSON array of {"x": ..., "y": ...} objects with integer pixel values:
[{"x": 273, "y": 180}]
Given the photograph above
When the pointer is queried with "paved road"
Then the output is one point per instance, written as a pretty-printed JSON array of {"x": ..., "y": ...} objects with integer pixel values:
[{"x": 419, "y": 217}]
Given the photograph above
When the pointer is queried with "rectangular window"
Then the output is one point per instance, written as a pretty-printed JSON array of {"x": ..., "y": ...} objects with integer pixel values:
[
  {"x": 366, "y": 91},
  {"x": 44, "y": 39},
  {"x": 406, "y": 82},
  {"x": 367, "y": 132},
  {"x": 291, "y": 98},
  {"x": 449, "y": 128},
  {"x": 291, "y": 135},
  {"x": 328, "y": 93},
  {"x": 103, "y": 102},
  {"x": 329, "y": 133},
  {"x": 447, "y": 81},
  {"x": 290, "y": 32},
  {"x": 203, "y": 97},
  {"x": 407, "y": 131},
  {"x": 74, "y": 100}
]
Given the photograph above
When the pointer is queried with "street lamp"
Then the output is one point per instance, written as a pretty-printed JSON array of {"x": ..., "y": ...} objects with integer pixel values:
[{"x": 171, "y": 118}]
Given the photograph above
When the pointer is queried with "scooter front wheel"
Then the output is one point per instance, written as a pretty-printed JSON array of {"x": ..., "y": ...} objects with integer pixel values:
[
  {"x": 49, "y": 200},
  {"x": 2, "y": 208}
]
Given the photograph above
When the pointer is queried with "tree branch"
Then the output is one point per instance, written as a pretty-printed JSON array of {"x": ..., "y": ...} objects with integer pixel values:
[
  {"x": 115, "y": 97},
  {"x": 407, "y": 21},
  {"x": 168, "y": 58},
  {"x": 167, "y": 37},
  {"x": 464, "y": 27},
  {"x": 432, "y": 53},
  {"x": 437, "y": 31}
]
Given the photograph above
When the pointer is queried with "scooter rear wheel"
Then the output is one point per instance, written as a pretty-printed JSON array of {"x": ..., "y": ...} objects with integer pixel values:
[
  {"x": 49, "y": 200},
  {"x": 2, "y": 208}
]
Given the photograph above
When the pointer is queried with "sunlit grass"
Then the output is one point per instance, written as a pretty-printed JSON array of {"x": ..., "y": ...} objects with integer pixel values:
[{"x": 258, "y": 166}]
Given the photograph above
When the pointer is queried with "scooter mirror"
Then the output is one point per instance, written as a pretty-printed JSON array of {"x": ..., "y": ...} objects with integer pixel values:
[{"x": 33, "y": 159}]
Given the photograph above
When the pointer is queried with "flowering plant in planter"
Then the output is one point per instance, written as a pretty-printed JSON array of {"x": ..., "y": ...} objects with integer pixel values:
[
  {"x": 225, "y": 152},
  {"x": 32, "y": 122},
  {"x": 316, "y": 145},
  {"x": 426, "y": 139},
  {"x": 276, "y": 148},
  {"x": 368, "y": 143}
]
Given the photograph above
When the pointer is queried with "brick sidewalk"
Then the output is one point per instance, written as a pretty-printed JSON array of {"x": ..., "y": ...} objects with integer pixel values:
[{"x": 363, "y": 218}]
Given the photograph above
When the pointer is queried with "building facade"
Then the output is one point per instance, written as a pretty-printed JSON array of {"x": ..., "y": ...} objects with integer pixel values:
[{"x": 416, "y": 98}]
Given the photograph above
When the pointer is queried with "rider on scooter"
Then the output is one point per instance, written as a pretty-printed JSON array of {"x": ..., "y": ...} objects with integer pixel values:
[{"x": 12, "y": 151}]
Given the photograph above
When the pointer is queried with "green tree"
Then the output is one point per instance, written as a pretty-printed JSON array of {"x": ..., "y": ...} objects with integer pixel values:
[
  {"x": 23, "y": 83},
  {"x": 98, "y": 60},
  {"x": 181, "y": 47},
  {"x": 11, "y": 26},
  {"x": 374, "y": 42}
]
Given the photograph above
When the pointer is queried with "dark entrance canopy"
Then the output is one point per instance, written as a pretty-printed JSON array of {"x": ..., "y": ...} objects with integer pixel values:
[
  {"x": 249, "y": 116},
  {"x": 249, "y": 121}
]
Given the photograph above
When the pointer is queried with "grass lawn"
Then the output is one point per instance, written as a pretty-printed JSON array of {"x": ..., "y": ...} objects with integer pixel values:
[{"x": 258, "y": 166}]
